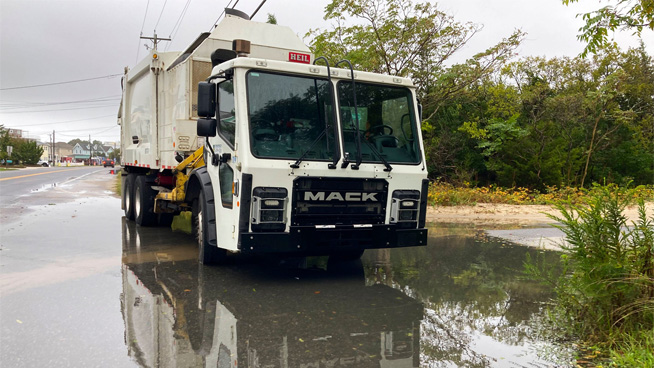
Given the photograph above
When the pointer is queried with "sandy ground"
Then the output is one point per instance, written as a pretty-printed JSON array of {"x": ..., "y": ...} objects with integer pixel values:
[
  {"x": 527, "y": 225},
  {"x": 489, "y": 215}
]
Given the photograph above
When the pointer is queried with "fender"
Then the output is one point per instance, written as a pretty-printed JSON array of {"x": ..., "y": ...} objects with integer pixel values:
[{"x": 199, "y": 180}]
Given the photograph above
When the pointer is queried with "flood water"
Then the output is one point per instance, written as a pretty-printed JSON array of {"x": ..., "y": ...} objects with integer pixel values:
[{"x": 459, "y": 302}]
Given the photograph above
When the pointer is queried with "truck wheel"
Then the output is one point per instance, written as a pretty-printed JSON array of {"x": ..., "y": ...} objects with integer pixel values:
[
  {"x": 128, "y": 196},
  {"x": 144, "y": 202},
  {"x": 208, "y": 254}
]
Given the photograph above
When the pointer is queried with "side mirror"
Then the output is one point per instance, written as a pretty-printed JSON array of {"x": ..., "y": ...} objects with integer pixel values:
[
  {"x": 206, "y": 99},
  {"x": 207, "y": 127}
]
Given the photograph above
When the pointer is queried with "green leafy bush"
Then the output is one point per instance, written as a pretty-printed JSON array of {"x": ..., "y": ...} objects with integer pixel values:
[{"x": 606, "y": 292}]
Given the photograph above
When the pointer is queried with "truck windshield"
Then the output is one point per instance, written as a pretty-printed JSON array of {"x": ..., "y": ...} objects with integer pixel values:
[
  {"x": 386, "y": 122},
  {"x": 290, "y": 116}
]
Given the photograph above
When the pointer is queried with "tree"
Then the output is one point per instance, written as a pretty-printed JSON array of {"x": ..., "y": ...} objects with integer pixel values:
[
  {"x": 5, "y": 141},
  {"x": 632, "y": 15},
  {"x": 272, "y": 19},
  {"x": 398, "y": 37},
  {"x": 28, "y": 152},
  {"x": 394, "y": 37},
  {"x": 115, "y": 154}
]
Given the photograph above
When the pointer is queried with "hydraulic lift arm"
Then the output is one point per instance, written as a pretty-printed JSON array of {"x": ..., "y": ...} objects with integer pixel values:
[{"x": 192, "y": 162}]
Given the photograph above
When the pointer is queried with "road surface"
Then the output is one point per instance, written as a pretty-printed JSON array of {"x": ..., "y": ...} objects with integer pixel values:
[{"x": 82, "y": 287}]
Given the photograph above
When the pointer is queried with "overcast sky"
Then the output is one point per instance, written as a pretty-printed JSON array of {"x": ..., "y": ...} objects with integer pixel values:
[{"x": 51, "y": 41}]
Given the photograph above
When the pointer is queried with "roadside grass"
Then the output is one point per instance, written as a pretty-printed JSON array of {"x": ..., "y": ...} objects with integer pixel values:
[
  {"x": 444, "y": 194},
  {"x": 604, "y": 282},
  {"x": 118, "y": 188}
]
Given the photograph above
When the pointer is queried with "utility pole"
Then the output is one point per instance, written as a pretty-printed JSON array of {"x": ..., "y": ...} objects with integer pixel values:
[
  {"x": 53, "y": 148},
  {"x": 155, "y": 40},
  {"x": 90, "y": 150}
]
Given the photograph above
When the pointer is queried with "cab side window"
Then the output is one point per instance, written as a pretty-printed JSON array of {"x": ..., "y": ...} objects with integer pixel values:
[
  {"x": 226, "y": 178},
  {"x": 226, "y": 113}
]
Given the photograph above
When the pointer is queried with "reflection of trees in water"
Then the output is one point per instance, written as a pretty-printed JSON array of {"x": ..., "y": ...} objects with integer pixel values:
[{"x": 468, "y": 289}]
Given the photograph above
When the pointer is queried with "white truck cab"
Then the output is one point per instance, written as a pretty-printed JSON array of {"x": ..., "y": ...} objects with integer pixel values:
[{"x": 291, "y": 154}]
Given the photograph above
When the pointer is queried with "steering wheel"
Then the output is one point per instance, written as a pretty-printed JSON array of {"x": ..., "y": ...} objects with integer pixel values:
[
  {"x": 264, "y": 130},
  {"x": 380, "y": 129}
]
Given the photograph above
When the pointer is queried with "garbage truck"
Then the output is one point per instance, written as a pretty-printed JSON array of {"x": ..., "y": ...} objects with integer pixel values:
[{"x": 270, "y": 149}]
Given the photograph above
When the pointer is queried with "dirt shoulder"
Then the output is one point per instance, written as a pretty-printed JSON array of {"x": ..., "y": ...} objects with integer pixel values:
[{"x": 493, "y": 215}]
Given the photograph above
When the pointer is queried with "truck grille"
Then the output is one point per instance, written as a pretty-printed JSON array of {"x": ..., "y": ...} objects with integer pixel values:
[{"x": 338, "y": 201}]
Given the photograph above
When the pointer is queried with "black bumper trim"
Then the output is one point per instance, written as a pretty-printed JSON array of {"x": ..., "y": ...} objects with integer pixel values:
[{"x": 324, "y": 241}]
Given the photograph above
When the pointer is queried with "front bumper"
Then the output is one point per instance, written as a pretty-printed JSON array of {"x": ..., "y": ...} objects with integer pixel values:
[{"x": 323, "y": 241}]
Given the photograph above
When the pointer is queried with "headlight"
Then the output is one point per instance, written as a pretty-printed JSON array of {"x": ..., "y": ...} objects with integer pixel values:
[
  {"x": 269, "y": 209},
  {"x": 405, "y": 206}
]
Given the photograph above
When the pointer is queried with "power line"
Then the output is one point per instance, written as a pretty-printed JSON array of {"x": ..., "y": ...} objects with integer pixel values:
[
  {"x": 178, "y": 24},
  {"x": 32, "y": 103},
  {"x": 106, "y": 128},
  {"x": 58, "y": 83},
  {"x": 67, "y": 121},
  {"x": 180, "y": 18},
  {"x": 259, "y": 7},
  {"x": 142, "y": 26},
  {"x": 72, "y": 108},
  {"x": 160, "y": 14},
  {"x": 10, "y": 105},
  {"x": 221, "y": 14}
]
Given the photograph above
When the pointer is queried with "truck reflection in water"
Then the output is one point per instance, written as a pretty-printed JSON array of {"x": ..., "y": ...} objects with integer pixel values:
[{"x": 250, "y": 314}]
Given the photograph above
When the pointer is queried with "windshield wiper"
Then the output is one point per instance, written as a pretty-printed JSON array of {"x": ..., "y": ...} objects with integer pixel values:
[
  {"x": 296, "y": 165},
  {"x": 337, "y": 154},
  {"x": 383, "y": 160},
  {"x": 356, "y": 115}
]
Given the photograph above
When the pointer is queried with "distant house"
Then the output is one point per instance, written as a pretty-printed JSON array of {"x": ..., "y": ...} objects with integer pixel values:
[
  {"x": 61, "y": 150},
  {"x": 81, "y": 151}
]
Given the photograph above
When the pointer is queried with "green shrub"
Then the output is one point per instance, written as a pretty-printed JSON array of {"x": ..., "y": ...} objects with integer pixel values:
[{"x": 606, "y": 290}]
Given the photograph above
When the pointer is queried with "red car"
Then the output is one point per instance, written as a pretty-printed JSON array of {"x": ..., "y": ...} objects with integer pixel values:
[{"x": 108, "y": 162}]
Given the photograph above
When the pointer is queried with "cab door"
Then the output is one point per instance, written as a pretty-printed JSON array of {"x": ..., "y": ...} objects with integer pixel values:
[{"x": 226, "y": 211}]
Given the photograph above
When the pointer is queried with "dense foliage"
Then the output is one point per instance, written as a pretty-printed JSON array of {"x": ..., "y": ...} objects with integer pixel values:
[
  {"x": 533, "y": 122},
  {"x": 543, "y": 122}
]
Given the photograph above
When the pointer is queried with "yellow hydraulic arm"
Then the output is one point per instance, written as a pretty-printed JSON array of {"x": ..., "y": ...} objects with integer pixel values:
[{"x": 193, "y": 162}]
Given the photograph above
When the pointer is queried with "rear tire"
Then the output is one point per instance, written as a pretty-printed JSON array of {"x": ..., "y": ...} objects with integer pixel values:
[
  {"x": 144, "y": 202},
  {"x": 208, "y": 253},
  {"x": 128, "y": 196}
]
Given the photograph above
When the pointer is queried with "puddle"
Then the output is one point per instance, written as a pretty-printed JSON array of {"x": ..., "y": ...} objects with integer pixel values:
[
  {"x": 45, "y": 187},
  {"x": 460, "y": 301}
]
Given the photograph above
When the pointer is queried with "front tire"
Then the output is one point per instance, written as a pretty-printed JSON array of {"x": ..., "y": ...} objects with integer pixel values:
[
  {"x": 144, "y": 202},
  {"x": 208, "y": 253},
  {"x": 128, "y": 196}
]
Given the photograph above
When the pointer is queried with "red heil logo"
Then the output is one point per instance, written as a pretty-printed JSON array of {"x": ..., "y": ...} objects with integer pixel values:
[{"x": 296, "y": 57}]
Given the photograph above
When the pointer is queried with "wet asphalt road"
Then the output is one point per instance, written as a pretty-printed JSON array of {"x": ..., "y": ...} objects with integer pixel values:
[{"x": 82, "y": 287}]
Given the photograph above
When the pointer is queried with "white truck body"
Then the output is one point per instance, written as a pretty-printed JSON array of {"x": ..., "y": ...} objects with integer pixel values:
[
  {"x": 160, "y": 93},
  {"x": 293, "y": 163}
]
